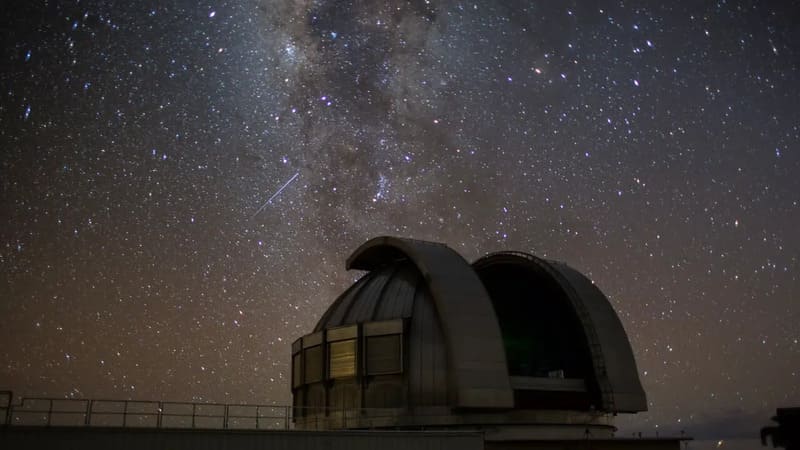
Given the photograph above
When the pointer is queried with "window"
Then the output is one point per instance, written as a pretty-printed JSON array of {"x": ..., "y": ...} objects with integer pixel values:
[
  {"x": 384, "y": 354},
  {"x": 342, "y": 358},
  {"x": 312, "y": 364},
  {"x": 297, "y": 370}
]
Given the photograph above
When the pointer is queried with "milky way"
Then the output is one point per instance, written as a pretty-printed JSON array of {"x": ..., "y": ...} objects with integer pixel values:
[{"x": 655, "y": 147}]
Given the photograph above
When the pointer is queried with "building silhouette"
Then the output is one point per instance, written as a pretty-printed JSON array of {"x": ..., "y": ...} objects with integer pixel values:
[
  {"x": 517, "y": 347},
  {"x": 424, "y": 351}
]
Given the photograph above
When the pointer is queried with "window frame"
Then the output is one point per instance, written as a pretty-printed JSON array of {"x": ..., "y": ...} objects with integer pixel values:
[
  {"x": 309, "y": 378},
  {"x": 353, "y": 372},
  {"x": 389, "y": 328},
  {"x": 311, "y": 343},
  {"x": 297, "y": 365},
  {"x": 397, "y": 359},
  {"x": 333, "y": 336}
]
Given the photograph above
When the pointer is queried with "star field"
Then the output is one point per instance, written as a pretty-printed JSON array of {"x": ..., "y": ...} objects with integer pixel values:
[{"x": 182, "y": 182}]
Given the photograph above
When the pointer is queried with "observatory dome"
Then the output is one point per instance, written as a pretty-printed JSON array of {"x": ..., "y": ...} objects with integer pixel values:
[{"x": 512, "y": 344}]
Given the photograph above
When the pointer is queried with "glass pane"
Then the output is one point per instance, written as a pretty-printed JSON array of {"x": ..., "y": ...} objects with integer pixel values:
[
  {"x": 384, "y": 354},
  {"x": 297, "y": 374},
  {"x": 342, "y": 358},
  {"x": 313, "y": 364}
]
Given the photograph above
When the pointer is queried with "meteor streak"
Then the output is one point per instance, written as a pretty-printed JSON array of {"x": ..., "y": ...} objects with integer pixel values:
[{"x": 277, "y": 193}]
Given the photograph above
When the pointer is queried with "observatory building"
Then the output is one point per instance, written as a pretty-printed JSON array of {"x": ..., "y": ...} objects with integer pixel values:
[
  {"x": 425, "y": 351},
  {"x": 516, "y": 346}
]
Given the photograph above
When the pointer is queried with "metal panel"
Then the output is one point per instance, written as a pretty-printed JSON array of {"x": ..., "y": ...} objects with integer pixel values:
[
  {"x": 344, "y": 395},
  {"x": 297, "y": 370},
  {"x": 398, "y": 292},
  {"x": 297, "y": 345},
  {"x": 341, "y": 333},
  {"x": 474, "y": 341},
  {"x": 312, "y": 340},
  {"x": 312, "y": 364},
  {"x": 408, "y": 307},
  {"x": 370, "y": 295},
  {"x": 386, "y": 391},
  {"x": 618, "y": 370},
  {"x": 315, "y": 397},
  {"x": 384, "y": 354},
  {"x": 426, "y": 367},
  {"x": 335, "y": 314},
  {"x": 384, "y": 327}
]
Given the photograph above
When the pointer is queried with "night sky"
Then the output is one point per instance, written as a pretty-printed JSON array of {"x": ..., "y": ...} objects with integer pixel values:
[{"x": 182, "y": 182}]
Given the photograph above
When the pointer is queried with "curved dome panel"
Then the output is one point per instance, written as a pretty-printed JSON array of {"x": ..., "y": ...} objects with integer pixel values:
[
  {"x": 383, "y": 294},
  {"x": 612, "y": 362},
  {"x": 476, "y": 356}
]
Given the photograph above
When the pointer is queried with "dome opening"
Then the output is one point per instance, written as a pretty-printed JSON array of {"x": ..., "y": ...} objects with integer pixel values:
[{"x": 541, "y": 333}]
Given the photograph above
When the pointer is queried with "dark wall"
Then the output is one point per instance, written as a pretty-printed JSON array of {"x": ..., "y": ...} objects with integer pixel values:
[
  {"x": 78, "y": 438},
  {"x": 615, "y": 444}
]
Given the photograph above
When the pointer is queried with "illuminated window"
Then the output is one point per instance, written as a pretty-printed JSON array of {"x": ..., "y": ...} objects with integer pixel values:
[
  {"x": 384, "y": 354},
  {"x": 297, "y": 370},
  {"x": 342, "y": 358},
  {"x": 312, "y": 364}
]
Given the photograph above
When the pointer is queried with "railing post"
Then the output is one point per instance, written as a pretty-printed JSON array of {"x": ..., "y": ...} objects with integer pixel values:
[
  {"x": 49, "y": 412},
  {"x": 159, "y": 419},
  {"x": 257, "y": 408},
  {"x": 194, "y": 408},
  {"x": 125, "y": 415},
  {"x": 89, "y": 407},
  {"x": 286, "y": 416},
  {"x": 225, "y": 419}
]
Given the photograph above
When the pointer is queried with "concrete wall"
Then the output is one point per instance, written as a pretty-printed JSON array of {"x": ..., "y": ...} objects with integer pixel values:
[
  {"x": 594, "y": 444},
  {"x": 100, "y": 438},
  {"x": 80, "y": 438}
]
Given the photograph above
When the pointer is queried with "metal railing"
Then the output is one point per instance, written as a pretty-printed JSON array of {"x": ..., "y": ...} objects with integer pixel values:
[
  {"x": 47, "y": 412},
  {"x": 58, "y": 412},
  {"x": 40, "y": 411}
]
